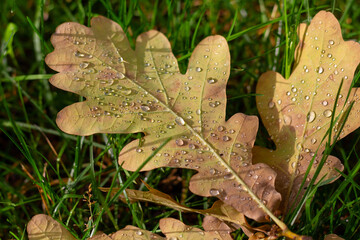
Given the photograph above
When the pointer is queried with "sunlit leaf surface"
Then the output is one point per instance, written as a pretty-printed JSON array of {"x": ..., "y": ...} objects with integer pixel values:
[{"x": 297, "y": 111}]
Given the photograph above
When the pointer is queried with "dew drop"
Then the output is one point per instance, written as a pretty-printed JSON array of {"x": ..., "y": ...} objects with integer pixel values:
[
  {"x": 327, "y": 113},
  {"x": 325, "y": 103},
  {"x": 287, "y": 119},
  {"x": 126, "y": 92},
  {"x": 84, "y": 65},
  {"x": 211, "y": 80},
  {"x": 313, "y": 141},
  {"x": 139, "y": 150},
  {"x": 294, "y": 89},
  {"x": 299, "y": 146},
  {"x": 331, "y": 42},
  {"x": 228, "y": 176},
  {"x": 198, "y": 69},
  {"x": 320, "y": 70},
  {"x": 120, "y": 75},
  {"x": 214, "y": 192},
  {"x": 179, "y": 142},
  {"x": 311, "y": 116},
  {"x": 180, "y": 121},
  {"x": 226, "y": 138},
  {"x": 138, "y": 232},
  {"x": 220, "y": 128},
  {"x": 79, "y": 54},
  {"x": 271, "y": 104},
  {"x": 192, "y": 146},
  {"x": 145, "y": 107}
]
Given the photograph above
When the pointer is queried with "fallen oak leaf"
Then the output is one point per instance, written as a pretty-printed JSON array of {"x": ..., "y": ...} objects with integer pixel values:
[
  {"x": 142, "y": 91},
  {"x": 297, "y": 111}
]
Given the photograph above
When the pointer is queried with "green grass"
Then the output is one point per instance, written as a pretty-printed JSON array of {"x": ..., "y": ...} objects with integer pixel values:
[{"x": 43, "y": 170}]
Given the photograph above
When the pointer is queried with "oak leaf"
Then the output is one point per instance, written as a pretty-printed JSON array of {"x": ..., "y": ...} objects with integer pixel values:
[
  {"x": 297, "y": 111},
  {"x": 130, "y": 91}
]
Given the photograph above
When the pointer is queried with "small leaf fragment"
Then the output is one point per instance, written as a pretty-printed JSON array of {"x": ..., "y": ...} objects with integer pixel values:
[
  {"x": 333, "y": 237},
  {"x": 175, "y": 230},
  {"x": 42, "y": 226}
]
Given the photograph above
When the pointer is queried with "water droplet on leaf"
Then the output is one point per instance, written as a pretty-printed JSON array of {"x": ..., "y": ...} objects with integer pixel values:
[
  {"x": 311, "y": 116},
  {"x": 180, "y": 121},
  {"x": 211, "y": 80},
  {"x": 327, "y": 113}
]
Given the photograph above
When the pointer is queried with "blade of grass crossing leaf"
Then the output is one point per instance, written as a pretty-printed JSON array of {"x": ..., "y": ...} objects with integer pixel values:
[
  {"x": 340, "y": 190},
  {"x": 327, "y": 152},
  {"x": 324, "y": 157},
  {"x": 285, "y": 19},
  {"x": 334, "y": 109}
]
